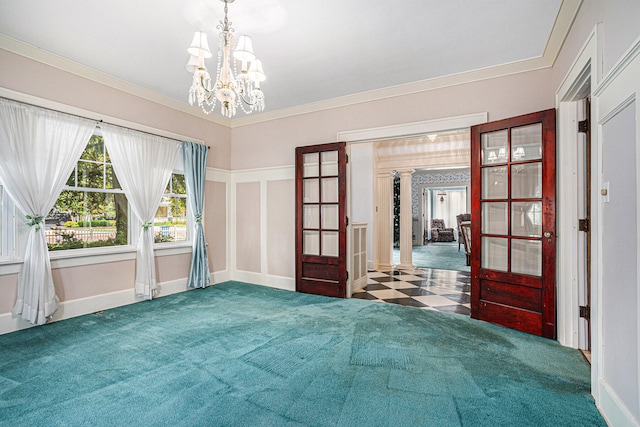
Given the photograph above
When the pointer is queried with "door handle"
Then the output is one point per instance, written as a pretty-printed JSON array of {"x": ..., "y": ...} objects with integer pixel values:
[{"x": 548, "y": 234}]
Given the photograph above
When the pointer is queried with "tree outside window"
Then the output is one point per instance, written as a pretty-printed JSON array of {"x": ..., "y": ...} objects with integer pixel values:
[
  {"x": 170, "y": 222},
  {"x": 92, "y": 210}
]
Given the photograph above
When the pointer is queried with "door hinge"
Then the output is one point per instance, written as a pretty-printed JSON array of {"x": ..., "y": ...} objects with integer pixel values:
[
  {"x": 347, "y": 158},
  {"x": 585, "y": 312},
  {"x": 583, "y": 224},
  {"x": 346, "y": 220},
  {"x": 347, "y": 275},
  {"x": 583, "y": 126}
]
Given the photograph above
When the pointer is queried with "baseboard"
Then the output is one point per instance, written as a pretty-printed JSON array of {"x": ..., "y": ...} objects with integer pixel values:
[
  {"x": 278, "y": 282},
  {"x": 82, "y": 306},
  {"x": 612, "y": 408}
]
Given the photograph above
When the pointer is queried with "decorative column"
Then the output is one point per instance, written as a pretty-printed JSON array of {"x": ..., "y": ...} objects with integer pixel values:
[
  {"x": 406, "y": 221},
  {"x": 384, "y": 221}
]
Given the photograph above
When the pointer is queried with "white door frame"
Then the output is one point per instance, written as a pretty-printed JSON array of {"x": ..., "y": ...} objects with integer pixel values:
[{"x": 400, "y": 131}]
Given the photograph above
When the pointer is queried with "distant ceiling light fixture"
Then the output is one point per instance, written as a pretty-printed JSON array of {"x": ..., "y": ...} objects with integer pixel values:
[
  {"x": 518, "y": 153},
  {"x": 432, "y": 137},
  {"x": 231, "y": 88}
]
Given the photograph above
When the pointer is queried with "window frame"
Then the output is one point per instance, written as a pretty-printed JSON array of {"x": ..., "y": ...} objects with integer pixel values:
[
  {"x": 14, "y": 243},
  {"x": 7, "y": 227}
]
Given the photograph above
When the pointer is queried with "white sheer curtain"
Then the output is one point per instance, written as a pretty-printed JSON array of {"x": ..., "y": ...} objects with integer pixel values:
[
  {"x": 454, "y": 203},
  {"x": 39, "y": 149},
  {"x": 143, "y": 164}
]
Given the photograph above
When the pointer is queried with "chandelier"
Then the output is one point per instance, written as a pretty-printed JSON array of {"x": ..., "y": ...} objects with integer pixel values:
[{"x": 230, "y": 88}]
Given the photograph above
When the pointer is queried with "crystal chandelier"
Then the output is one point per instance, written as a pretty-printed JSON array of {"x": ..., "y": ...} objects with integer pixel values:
[{"x": 231, "y": 88}]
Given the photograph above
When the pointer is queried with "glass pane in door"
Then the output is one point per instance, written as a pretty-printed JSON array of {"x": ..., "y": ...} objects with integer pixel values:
[
  {"x": 311, "y": 216},
  {"x": 311, "y": 191},
  {"x": 526, "y": 219},
  {"x": 310, "y": 165},
  {"x": 526, "y": 142},
  {"x": 329, "y": 190},
  {"x": 310, "y": 242},
  {"x": 330, "y": 243},
  {"x": 330, "y": 217},
  {"x": 495, "y": 183},
  {"x": 329, "y": 163},
  {"x": 526, "y": 257},
  {"x": 495, "y": 218},
  {"x": 494, "y": 253},
  {"x": 526, "y": 181},
  {"x": 494, "y": 147}
]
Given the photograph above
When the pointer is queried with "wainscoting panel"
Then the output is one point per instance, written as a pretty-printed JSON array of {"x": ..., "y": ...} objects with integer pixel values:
[{"x": 262, "y": 228}]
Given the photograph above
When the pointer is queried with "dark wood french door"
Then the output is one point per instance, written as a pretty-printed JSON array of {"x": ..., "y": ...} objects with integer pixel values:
[
  {"x": 513, "y": 223},
  {"x": 321, "y": 222}
]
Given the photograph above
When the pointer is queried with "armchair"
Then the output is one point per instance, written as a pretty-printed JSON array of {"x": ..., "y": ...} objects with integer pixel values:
[{"x": 439, "y": 232}]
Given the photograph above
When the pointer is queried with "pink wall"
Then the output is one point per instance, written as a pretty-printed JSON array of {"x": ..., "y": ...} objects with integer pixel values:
[
  {"x": 89, "y": 280},
  {"x": 8, "y": 292},
  {"x": 34, "y": 78},
  {"x": 215, "y": 219},
  {"x": 43, "y": 81},
  {"x": 247, "y": 215},
  {"x": 281, "y": 228},
  {"x": 272, "y": 143}
]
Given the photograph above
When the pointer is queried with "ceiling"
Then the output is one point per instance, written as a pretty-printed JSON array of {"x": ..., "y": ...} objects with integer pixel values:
[{"x": 311, "y": 51}]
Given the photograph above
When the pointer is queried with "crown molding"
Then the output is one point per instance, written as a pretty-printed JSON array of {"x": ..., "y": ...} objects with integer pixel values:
[
  {"x": 399, "y": 90},
  {"x": 53, "y": 60},
  {"x": 561, "y": 27},
  {"x": 566, "y": 15}
]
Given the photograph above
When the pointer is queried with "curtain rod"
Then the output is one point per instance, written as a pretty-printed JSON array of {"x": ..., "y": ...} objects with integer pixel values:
[{"x": 98, "y": 121}]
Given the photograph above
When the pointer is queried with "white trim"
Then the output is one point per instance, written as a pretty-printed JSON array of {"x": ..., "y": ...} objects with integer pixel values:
[
  {"x": 31, "y": 52},
  {"x": 415, "y": 128},
  {"x": 618, "y": 89},
  {"x": 83, "y": 257},
  {"x": 278, "y": 173},
  {"x": 218, "y": 175},
  {"x": 96, "y": 303},
  {"x": 278, "y": 282},
  {"x": 223, "y": 176},
  {"x": 613, "y": 410},
  {"x": 620, "y": 67},
  {"x": 583, "y": 71},
  {"x": 262, "y": 176},
  {"x": 82, "y": 306},
  {"x": 566, "y": 15}
]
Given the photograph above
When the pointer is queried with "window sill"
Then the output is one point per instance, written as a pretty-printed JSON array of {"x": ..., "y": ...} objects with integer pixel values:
[{"x": 81, "y": 257}]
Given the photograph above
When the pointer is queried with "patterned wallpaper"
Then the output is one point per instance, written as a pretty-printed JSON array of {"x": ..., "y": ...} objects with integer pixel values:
[{"x": 430, "y": 179}]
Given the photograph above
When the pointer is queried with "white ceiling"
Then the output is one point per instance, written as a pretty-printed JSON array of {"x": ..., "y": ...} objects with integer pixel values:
[{"x": 312, "y": 50}]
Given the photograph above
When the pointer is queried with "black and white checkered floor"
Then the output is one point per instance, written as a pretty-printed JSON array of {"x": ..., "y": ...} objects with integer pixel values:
[{"x": 442, "y": 290}]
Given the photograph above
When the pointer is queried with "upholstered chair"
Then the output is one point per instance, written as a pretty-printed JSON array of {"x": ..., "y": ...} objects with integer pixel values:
[
  {"x": 462, "y": 218},
  {"x": 439, "y": 232}
]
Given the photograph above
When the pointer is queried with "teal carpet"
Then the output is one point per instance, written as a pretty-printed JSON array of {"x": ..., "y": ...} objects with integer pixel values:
[
  {"x": 240, "y": 354},
  {"x": 439, "y": 255}
]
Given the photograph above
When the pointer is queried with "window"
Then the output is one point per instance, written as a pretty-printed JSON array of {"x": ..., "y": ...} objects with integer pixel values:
[
  {"x": 170, "y": 222},
  {"x": 92, "y": 210}
]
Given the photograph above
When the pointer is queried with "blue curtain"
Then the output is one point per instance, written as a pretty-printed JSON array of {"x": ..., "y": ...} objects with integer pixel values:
[{"x": 195, "y": 169}]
